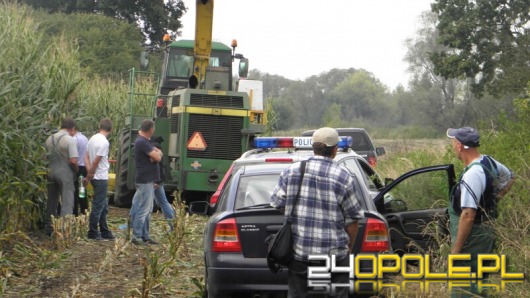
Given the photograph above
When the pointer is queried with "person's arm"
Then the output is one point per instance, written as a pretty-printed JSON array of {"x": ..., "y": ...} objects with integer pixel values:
[
  {"x": 156, "y": 155},
  {"x": 93, "y": 166},
  {"x": 467, "y": 218},
  {"x": 73, "y": 154},
  {"x": 87, "y": 162},
  {"x": 279, "y": 197},
  {"x": 73, "y": 164},
  {"x": 352, "y": 229}
]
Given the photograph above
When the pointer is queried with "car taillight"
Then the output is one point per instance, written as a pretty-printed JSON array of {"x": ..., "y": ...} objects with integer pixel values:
[
  {"x": 214, "y": 198},
  {"x": 226, "y": 237},
  {"x": 372, "y": 161},
  {"x": 375, "y": 236}
]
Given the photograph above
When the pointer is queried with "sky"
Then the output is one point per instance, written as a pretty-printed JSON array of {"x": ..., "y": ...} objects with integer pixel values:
[{"x": 297, "y": 39}]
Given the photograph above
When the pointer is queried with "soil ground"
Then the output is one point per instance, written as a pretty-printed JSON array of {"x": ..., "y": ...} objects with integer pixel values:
[
  {"x": 108, "y": 268},
  {"x": 32, "y": 266}
]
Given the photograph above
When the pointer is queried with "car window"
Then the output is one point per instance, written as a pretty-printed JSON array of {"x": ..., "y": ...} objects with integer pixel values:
[
  {"x": 360, "y": 141},
  {"x": 255, "y": 190},
  {"x": 374, "y": 181},
  {"x": 352, "y": 164},
  {"x": 222, "y": 203},
  {"x": 421, "y": 192}
]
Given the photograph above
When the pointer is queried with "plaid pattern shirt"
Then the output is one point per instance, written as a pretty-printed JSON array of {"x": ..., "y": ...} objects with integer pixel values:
[{"x": 327, "y": 204}]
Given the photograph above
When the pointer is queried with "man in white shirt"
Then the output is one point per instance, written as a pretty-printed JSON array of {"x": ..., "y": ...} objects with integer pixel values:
[{"x": 97, "y": 164}]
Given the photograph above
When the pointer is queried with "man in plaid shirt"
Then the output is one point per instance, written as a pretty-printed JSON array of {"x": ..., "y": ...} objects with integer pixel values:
[{"x": 326, "y": 213}]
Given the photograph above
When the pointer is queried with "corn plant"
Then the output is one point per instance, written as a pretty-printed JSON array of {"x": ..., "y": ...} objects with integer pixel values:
[
  {"x": 105, "y": 98},
  {"x": 37, "y": 84}
]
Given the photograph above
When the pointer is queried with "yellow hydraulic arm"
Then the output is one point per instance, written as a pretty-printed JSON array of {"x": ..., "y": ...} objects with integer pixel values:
[{"x": 203, "y": 37}]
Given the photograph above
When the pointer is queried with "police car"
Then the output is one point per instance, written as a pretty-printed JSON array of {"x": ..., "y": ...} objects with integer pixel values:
[
  {"x": 300, "y": 148},
  {"x": 242, "y": 218}
]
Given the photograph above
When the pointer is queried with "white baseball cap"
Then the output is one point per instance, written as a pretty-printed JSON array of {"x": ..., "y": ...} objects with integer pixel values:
[{"x": 326, "y": 135}]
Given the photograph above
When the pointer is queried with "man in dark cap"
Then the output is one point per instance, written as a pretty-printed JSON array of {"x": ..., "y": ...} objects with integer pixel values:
[{"x": 474, "y": 199}]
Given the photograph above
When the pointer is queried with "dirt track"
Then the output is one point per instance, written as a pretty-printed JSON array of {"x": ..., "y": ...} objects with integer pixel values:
[{"x": 111, "y": 268}]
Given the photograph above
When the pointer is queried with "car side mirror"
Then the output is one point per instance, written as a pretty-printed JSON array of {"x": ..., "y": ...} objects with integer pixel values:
[
  {"x": 243, "y": 67},
  {"x": 144, "y": 61},
  {"x": 395, "y": 205},
  {"x": 200, "y": 208},
  {"x": 380, "y": 151}
]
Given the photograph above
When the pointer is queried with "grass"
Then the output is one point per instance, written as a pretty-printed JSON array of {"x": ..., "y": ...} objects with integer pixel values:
[
  {"x": 56, "y": 267},
  {"x": 512, "y": 227}
]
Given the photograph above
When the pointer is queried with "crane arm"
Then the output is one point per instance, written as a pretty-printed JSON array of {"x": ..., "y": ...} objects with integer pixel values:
[{"x": 203, "y": 37}]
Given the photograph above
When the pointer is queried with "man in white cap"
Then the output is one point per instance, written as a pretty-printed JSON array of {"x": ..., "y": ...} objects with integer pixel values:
[
  {"x": 474, "y": 199},
  {"x": 325, "y": 216}
]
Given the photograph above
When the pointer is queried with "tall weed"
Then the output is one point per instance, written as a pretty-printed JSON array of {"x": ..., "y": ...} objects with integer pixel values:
[{"x": 507, "y": 143}]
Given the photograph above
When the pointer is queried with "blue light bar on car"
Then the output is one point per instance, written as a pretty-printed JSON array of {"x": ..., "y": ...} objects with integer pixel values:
[{"x": 294, "y": 142}]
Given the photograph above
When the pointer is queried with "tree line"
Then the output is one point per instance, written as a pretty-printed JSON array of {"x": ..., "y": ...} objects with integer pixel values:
[{"x": 468, "y": 61}]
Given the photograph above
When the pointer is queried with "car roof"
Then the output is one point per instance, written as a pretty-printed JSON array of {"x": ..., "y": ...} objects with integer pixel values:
[
  {"x": 256, "y": 156},
  {"x": 339, "y": 130},
  {"x": 302, "y": 154}
]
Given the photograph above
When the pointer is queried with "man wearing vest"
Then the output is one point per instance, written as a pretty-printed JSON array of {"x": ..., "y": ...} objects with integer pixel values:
[
  {"x": 62, "y": 168},
  {"x": 474, "y": 199}
]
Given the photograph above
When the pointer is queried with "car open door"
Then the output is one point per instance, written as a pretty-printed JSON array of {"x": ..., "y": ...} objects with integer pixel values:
[{"x": 415, "y": 206}]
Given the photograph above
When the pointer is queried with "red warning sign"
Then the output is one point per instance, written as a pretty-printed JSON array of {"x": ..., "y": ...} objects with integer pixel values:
[{"x": 196, "y": 142}]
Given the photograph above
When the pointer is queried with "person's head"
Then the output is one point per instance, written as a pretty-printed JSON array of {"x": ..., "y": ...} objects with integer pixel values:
[
  {"x": 69, "y": 125},
  {"x": 325, "y": 142},
  {"x": 147, "y": 127},
  {"x": 465, "y": 140},
  {"x": 105, "y": 124}
]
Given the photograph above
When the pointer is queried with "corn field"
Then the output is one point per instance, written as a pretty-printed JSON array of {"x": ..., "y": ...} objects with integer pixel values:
[{"x": 41, "y": 82}]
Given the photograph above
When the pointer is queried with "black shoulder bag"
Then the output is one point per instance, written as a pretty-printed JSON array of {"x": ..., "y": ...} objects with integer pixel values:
[{"x": 280, "y": 245}]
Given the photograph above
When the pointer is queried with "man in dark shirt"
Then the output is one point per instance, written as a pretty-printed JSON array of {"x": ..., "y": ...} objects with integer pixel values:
[{"x": 147, "y": 158}]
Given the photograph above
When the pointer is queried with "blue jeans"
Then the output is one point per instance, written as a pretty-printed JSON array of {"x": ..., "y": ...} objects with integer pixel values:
[
  {"x": 100, "y": 209},
  {"x": 161, "y": 201},
  {"x": 142, "y": 206}
]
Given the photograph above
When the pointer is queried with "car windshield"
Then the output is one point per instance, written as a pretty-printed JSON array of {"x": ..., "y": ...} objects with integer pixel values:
[{"x": 255, "y": 190}]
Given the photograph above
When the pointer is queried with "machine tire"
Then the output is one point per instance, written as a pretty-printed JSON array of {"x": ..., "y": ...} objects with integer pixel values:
[{"x": 123, "y": 195}]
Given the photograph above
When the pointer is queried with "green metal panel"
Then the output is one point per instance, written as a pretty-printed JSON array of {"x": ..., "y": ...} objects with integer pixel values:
[
  {"x": 187, "y": 43},
  {"x": 222, "y": 134},
  {"x": 198, "y": 172},
  {"x": 162, "y": 128}
]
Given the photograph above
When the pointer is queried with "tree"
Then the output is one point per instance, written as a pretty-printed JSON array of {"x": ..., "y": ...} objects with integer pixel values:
[
  {"x": 441, "y": 102},
  {"x": 273, "y": 85},
  {"x": 488, "y": 41},
  {"x": 360, "y": 95},
  {"x": 106, "y": 46},
  {"x": 154, "y": 17},
  {"x": 435, "y": 98},
  {"x": 332, "y": 116}
]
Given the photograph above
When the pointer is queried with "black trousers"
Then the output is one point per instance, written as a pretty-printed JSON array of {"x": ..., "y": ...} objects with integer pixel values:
[
  {"x": 80, "y": 204},
  {"x": 298, "y": 281}
]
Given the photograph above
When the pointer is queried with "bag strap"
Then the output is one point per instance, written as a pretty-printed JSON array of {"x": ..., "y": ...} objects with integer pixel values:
[{"x": 302, "y": 171}]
